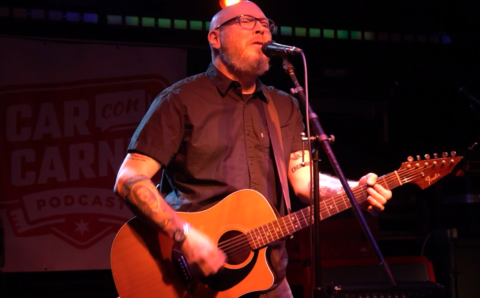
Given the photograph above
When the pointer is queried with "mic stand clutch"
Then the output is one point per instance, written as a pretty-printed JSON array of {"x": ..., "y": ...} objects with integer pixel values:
[{"x": 324, "y": 140}]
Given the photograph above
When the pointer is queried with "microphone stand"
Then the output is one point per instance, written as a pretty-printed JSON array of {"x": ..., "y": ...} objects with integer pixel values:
[
  {"x": 473, "y": 101},
  {"x": 321, "y": 138}
]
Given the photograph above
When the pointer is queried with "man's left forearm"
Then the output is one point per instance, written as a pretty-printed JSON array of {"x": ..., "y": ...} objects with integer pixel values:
[{"x": 330, "y": 186}]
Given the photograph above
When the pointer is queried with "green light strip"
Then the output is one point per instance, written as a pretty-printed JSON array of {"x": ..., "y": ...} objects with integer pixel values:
[
  {"x": 299, "y": 31},
  {"x": 328, "y": 33},
  {"x": 164, "y": 23},
  {"x": 196, "y": 25},
  {"x": 131, "y": 21},
  {"x": 180, "y": 24},
  {"x": 342, "y": 34},
  {"x": 314, "y": 32},
  {"x": 148, "y": 22},
  {"x": 285, "y": 30},
  {"x": 357, "y": 35}
]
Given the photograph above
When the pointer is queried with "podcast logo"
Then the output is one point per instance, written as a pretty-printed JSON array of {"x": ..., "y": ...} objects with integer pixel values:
[{"x": 65, "y": 144}]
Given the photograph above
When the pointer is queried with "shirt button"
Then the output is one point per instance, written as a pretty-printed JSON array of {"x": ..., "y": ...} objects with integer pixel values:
[{"x": 248, "y": 133}]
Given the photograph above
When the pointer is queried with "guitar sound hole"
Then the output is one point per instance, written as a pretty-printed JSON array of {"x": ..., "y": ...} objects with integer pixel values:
[{"x": 235, "y": 245}]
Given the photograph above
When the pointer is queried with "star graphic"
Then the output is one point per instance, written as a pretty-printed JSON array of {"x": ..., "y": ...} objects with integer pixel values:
[{"x": 82, "y": 226}]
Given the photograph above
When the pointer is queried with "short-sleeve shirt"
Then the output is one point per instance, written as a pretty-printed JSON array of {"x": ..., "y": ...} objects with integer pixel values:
[{"x": 212, "y": 141}]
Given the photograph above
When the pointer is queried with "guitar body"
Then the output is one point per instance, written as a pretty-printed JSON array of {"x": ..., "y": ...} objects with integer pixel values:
[{"x": 141, "y": 258}]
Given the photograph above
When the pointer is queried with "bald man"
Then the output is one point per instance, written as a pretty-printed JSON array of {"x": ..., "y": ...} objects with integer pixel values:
[{"x": 208, "y": 133}]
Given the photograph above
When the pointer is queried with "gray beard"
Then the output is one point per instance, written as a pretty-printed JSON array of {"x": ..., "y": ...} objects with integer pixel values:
[{"x": 247, "y": 65}]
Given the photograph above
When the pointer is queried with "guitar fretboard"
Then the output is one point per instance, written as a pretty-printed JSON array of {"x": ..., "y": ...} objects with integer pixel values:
[{"x": 287, "y": 225}]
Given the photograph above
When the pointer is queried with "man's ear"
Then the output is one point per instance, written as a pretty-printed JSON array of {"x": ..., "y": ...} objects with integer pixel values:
[{"x": 214, "y": 39}]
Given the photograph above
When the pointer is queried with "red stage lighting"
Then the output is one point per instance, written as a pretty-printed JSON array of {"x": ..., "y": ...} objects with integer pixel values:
[{"x": 225, "y": 3}]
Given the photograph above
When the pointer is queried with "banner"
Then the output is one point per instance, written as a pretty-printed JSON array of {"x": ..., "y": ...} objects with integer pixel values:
[{"x": 69, "y": 111}]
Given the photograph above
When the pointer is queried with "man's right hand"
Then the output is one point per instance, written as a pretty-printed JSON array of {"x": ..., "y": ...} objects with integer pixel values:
[{"x": 200, "y": 250}]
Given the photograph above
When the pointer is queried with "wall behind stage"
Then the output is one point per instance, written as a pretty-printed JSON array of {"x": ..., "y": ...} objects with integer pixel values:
[{"x": 68, "y": 111}]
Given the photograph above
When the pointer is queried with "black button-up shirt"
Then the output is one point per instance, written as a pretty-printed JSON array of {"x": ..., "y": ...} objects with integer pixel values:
[{"x": 212, "y": 141}]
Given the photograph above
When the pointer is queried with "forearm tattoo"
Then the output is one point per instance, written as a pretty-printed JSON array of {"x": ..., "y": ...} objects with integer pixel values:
[
  {"x": 299, "y": 166},
  {"x": 137, "y": 157},
  {"x": 329, "y": 186},
  {"x": 298, "y": 156},
  {"x": 328, "y": 192},
  {"x": 141, "y": 193}
]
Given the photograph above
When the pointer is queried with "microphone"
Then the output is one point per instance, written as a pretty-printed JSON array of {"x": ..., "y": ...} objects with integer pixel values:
[{"x": 271, "y": 48}]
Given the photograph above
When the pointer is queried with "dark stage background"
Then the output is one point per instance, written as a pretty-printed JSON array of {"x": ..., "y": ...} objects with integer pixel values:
[{"x": 383, "y": 99}]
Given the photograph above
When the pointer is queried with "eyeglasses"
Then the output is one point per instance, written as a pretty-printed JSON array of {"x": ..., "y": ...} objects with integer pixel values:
[{"x": 249, "y": 22}]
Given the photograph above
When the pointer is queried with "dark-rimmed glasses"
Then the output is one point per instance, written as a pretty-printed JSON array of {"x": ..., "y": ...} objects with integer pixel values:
[{"x": 249, "y": 22}]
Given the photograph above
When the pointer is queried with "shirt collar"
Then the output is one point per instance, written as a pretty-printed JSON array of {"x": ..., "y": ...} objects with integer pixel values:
[{"x": 224, "y": 84}]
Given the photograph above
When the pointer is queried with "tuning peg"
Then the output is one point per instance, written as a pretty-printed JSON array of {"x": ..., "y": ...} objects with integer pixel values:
[
  {"x": 427, "y": 156},
  {"x": 418, "y": 157},
  {"x": 445, "y": 154},
  {"x": 435, "y": 155},
  {"x": 410, "y": 158},
  {"x": 453, "y": 153}
]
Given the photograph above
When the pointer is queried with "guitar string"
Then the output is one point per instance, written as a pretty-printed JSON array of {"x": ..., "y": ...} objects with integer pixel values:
[
  {"x": 391, "y": 181},
  {"x": 234, "y": 251},
  {"x": 241, "y": 242},
  {"x": 388, "y": 181},
  {"x": 284, "y": 226},
  {"x": 289, "y": 226}
]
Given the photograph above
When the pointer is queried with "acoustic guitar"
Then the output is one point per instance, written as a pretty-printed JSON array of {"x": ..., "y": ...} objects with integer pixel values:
[{"x": 242, "y": 225}]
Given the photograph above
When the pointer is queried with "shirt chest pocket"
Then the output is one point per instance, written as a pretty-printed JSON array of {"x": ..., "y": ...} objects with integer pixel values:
[{"x": 263, "y": 140}]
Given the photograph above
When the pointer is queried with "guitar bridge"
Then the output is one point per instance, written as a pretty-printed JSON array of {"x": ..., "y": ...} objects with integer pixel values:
[{"x": 183, "y": 270}]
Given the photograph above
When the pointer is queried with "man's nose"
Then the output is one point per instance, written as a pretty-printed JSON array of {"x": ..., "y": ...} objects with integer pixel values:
[{"x": 259, "y": 28}]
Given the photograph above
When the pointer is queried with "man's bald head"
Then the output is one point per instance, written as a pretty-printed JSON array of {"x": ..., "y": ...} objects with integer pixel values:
[
  {"x": 236, "y": 51},
  {"x": 229, "y": 12}
]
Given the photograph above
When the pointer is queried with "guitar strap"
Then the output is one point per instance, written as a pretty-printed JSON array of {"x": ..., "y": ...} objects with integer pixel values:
[{"x": 276, "y": 139}]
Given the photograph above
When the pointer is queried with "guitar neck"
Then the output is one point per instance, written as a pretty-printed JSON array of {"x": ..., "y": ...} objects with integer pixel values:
[{"x": 289, "y": 224}]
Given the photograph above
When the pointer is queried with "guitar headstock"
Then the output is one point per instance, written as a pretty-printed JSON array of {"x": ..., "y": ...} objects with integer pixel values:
[{"x": 427, "y": 171}]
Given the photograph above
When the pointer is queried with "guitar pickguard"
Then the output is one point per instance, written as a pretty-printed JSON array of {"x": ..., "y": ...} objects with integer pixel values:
[{"x": 226, "y": 278}]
